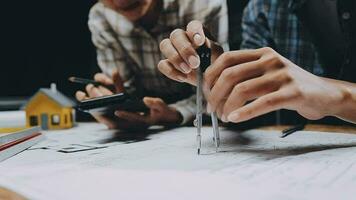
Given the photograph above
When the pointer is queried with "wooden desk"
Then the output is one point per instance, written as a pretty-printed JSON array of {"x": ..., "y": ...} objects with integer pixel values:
[
  {"x": 10, "y": 195},
  {"x": 314, "y": 127}
]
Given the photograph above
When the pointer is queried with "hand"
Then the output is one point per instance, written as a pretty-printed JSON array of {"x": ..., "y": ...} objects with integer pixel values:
[
  {"x": 271, "y": 82},
  {"x": 91, "y": 92},
  {"x": 180, "y": 52},
  {"x": 160, "y": 114}
]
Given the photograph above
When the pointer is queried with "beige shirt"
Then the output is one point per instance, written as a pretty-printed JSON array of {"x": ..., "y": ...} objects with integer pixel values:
[{"x": 135, "y": 52}]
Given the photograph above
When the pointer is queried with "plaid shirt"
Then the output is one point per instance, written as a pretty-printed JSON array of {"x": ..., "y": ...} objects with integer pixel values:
[
  {"x": 274, "y": 23},
  {"x": 135, "y": 51}
]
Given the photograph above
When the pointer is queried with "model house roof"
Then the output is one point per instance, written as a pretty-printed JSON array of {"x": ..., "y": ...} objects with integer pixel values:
[{"x": 56, "y": 96}]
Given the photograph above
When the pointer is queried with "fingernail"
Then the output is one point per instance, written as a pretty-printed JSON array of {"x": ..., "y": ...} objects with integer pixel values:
[
  {"x": 194, "y": 61},
  {"x": 208, "y": 108},
  {"x": 186, "y": 69},
  {"x": 198, "y": 39},
  {"x": 223, "y": 118},
  {"x": 234, "y": 117}
]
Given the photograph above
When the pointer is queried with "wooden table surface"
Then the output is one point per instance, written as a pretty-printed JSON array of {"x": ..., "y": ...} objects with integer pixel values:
[
  {"x": 314, "y": 127},
  {"x": 10, "y": 195}
]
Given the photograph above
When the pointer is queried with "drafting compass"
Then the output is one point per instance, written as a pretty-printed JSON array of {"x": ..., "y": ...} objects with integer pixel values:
[{"x": 204, "y": 55}]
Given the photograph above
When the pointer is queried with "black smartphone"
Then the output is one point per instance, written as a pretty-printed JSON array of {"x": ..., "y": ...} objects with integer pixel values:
[{"x": 111, "y": 103}]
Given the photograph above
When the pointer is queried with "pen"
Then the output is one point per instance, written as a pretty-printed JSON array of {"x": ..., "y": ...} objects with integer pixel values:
[
  {"x": 85, "y": 81},
  {"x": 292, "y": 130}
]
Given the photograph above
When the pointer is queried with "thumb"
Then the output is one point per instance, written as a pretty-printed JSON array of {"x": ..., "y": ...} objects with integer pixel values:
[
  {"x": 102, "y": 78},
  {"x": 118, "y": 82}
]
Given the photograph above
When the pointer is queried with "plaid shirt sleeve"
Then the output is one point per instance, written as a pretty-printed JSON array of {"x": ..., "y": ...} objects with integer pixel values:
[
  {"x": 255, "y": 31},
  {"x": 110, "y": 54}
]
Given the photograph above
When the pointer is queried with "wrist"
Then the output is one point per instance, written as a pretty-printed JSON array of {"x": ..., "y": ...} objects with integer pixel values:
[
  {"x": 185, "y": 111},
  {"x": 345, "y": 107},
  {"x": 178, "y": 116},
  {"x": 172, "y": 118}
]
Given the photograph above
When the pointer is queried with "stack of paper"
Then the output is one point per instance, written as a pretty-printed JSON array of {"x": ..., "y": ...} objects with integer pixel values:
[
  {"x": 11, "y": 121},
  {"x": 13, "y": 143}
]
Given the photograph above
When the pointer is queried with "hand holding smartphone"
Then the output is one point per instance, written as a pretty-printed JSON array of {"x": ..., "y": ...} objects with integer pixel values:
[
  {"x": 111, "y": 103},
  {"x": 122, "y": 110}
]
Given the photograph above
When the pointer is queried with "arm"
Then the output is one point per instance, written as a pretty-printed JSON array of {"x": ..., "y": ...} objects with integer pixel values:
[
  {"x": 110, "y": 54},
  {"x": 114, "y": 62},
  {"x": 271, "y": 82},
  {"x": 255, "y": 29},
  {"x": 346, "y": 108},
  {"x": 241, "y": 85}
]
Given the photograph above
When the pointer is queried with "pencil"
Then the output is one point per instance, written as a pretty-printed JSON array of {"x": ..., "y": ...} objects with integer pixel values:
[
  {"x": 85, "y": 81},
  {"x": 292, "y": 130}
]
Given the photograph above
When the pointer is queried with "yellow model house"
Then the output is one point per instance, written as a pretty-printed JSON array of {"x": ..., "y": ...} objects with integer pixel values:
[{"x": 50, "y": 109}]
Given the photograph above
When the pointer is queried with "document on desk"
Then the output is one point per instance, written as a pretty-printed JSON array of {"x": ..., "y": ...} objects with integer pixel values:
[
  {"x": 12, "y": 119},
  {"x": 254, "y": 164}
]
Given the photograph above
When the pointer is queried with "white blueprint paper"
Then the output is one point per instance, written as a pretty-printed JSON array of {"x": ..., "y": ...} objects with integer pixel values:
[{"x": 251, "y": 165}]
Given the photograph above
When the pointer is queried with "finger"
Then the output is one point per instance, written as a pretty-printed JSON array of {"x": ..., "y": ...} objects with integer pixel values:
[
  {"x": 154, "y": 103},
  {"x": 250, "y": 90},
  {"x": 265, "y": 104},
  {"x": 105, "y": 120},
  {"x": 227, "y": 60},
  {"x": 105, "y": 91},
  {"x": 195, "y": 33},
  {"x": 80, "y": 96},
  {"x": 93, "y": 91},
  {"x": 132, "y": 117},
  {"x": 171, "y": 72},
  {"x": 107, "y": 81},
  {"x": 229, "y": 78},
  {"x": 104, "y": 79},
  {"x": 173, "y": 56},
  {"x": 219, "y": 111},
  {"x": 198, "y": 35},
  {"x": 210, "y": 40},
  {"x": 118, "y": 82},
  {"x": 181, "y": 43}
]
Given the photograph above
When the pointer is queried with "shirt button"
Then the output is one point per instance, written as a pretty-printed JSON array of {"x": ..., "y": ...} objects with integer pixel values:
[{"x": 346, "y": 15}]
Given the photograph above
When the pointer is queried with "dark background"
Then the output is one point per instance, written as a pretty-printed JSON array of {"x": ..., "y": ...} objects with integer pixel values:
[
  {"x": 44, "y": 42},
  {"x": 48, "y": 41}
]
